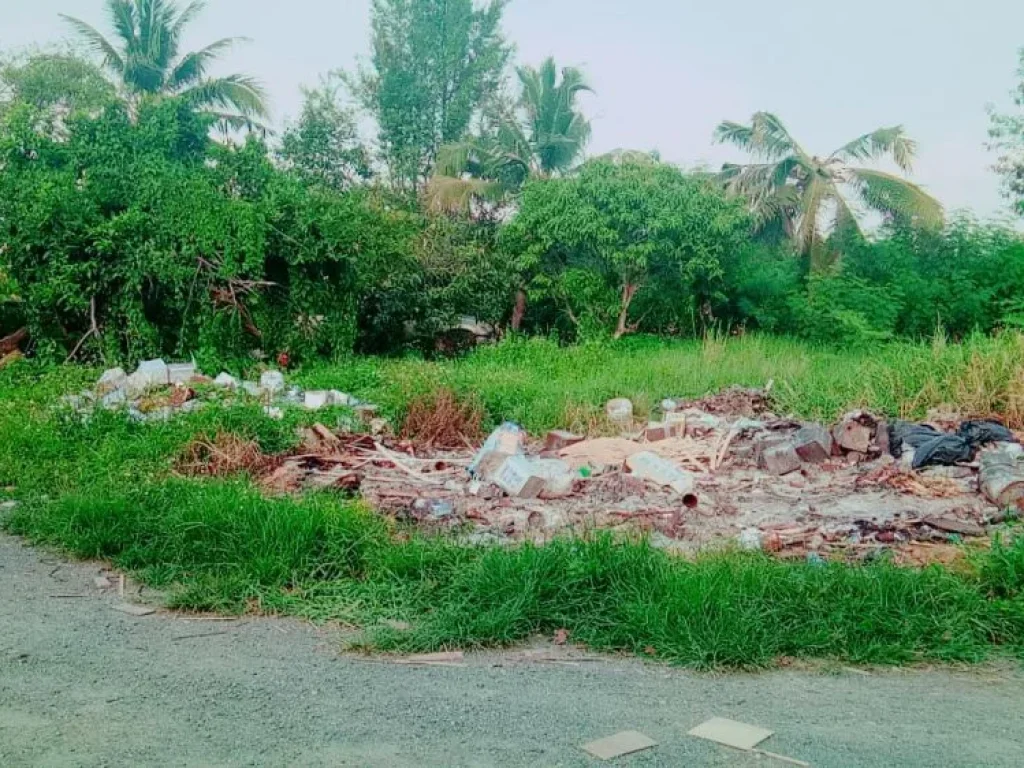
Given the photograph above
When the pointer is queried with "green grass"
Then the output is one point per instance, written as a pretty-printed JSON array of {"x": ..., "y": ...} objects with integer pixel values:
[
  {"x": 544, "y": 386},
  {"x": 105, "y": 489}
]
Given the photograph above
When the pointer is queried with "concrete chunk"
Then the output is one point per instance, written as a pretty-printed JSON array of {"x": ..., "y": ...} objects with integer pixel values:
[
  {"x": 314, "y": 400},
  {"x": 852, "y": 435},
  {"x": 813, "y": 443},
  {"x": 112, "y": 379},
  {"x": 180, "y": 373},
  {"x": 226, "y": 380},
  {"x": 780, "y": 459},
  {"x": 516, "y": 477},
  {"x": 619, "y": 410},
  {"x": 272, "y": 381},
  {"x": 155, "y": 372}
]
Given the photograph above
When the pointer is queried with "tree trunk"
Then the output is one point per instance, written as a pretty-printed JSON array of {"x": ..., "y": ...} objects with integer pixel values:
[
  {"x": 628, "y": 292},
  {"x": 520, "y": 310}
]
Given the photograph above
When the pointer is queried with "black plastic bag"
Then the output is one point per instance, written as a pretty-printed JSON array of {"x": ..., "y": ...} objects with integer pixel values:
[
  {"x": 913, "y": 435},
  {"x": 981, "y": 431},
  {"x": 944, "y": 449}
]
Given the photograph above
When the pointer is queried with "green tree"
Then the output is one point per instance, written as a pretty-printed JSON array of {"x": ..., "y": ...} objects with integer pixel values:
[
  {"x": 434, "y": 63},
  {"x": 806, "y": 196},
  {"x": 54, "y": 81},
  {"x": 544, "y": 133},
  {"x": 621, "y": 233},
  {"x": 145, "y": 58},
  {"x": 1007, "y": 134},
  {"x": 323, "y": 146}
]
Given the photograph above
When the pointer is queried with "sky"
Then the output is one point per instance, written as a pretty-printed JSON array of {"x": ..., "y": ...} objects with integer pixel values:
[{"x": 666, "y": 72}]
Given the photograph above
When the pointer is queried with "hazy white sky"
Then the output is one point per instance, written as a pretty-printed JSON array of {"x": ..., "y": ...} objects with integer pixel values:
[{"x": 667, "y": 71}]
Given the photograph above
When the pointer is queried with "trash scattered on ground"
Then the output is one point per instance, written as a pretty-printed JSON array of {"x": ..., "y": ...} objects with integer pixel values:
[
  {"x": 157, "y": 391},
  {"x": 723, "y": 469},
  {"x": 619, "y": 744}
]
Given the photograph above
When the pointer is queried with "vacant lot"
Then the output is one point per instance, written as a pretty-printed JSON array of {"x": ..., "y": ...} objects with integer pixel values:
[{"x": 106, "y": 487}]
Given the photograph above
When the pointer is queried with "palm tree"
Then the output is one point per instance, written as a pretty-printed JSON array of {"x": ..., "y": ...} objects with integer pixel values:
[
  {"x": 806, "y": 195},
  {"x": 146, "y": 61},
  {"x": 542, "y": 134}
]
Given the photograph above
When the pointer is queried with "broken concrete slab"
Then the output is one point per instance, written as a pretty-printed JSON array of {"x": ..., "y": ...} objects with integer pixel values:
[
  {"x": 272, "y": 381},
  {"x": 780, "y": 459},
  {"x": 518, "y": 478},
  {"x": 852, "y": 435},
  {"x": 155, "y": 371},
  {"x": 653, "y": 468},
  {"x": 226, "y": 380},
  {"x": 813, "y": 443},
  {"x": 557, "y": 439},
  {"x": 112, "y": 379},
  {"x": 619, "y": 744},
  {"x": 336, "y": 397},
  {"x": 955, "y": 525},
  {"x": 114, "y": 399},
  {"x": 316, "y": 399},
  {"x": 181, "y": 373},
  {"x": 101, "y": 582},
  {"x": 731, "y": 733}
]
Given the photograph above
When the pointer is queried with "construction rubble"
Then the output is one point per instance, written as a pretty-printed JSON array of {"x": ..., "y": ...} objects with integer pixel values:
[
  {"x": 157, "y": 391},
  {"x": 722, "y": 469}
]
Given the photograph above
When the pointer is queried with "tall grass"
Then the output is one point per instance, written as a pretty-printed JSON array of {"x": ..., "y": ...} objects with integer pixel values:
[{"x": 543, "y": 385}]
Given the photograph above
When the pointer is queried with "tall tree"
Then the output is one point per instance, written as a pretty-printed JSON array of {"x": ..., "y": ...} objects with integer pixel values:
[
  {"x": 809, "y": 196},
  {"x": 323, "y": 146},
  {"x": 145, "y": 58},
  {"x": 543, "y": 134},
  {"x": 54, "y": 80},
  {"x": 1007, "y": 133},
  {"x": 434, "y": 63}
]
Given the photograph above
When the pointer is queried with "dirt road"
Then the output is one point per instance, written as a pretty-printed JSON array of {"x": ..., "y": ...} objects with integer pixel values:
[{"x": 82, "y": 684}]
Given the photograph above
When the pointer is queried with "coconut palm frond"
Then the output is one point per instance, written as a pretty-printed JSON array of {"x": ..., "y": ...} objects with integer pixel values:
[
  {"x": 193, "y": 66},
  {"x": 885, "y": 142},
  {"x": 238, "y": 92},
  {"x": 447, "y": 194},
  {"x": 896, "y": 197},
  {"x": 97, "y": 42}
]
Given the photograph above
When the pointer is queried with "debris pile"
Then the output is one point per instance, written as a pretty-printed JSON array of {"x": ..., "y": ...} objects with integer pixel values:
[
  {"x": 157, "y": 390},
  {"x": 690, "y": 479}
]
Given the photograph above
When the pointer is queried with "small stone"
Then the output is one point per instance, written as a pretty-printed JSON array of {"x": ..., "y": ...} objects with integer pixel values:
[
  {"x": 750, "y": 539},
  {"x": 272, "y": 381},
  {"x": 668, "y": 405},
  {"x": 225, "y": 380},
  {"x": 101, "y": 582},
  {"x": 114, "y": 378}
]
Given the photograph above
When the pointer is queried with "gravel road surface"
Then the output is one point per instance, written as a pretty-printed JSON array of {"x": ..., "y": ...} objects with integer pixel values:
[{"x": 82, "y": 684}]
